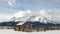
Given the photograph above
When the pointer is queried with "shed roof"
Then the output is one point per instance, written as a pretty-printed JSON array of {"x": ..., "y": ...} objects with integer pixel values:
[{"x": 21, "y": 22}]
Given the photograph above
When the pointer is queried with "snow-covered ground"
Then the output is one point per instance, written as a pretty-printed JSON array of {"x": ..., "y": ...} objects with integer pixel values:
[{"x": 5, "y": 31}]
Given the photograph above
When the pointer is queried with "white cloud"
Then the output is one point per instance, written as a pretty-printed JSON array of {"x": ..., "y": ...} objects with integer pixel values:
[
  {"x": 11, "y": 2},
  {"x": 22, "y": 13},
  {"x": 7, "y": 17},
  {"x": 53, "y": 14},
  {"x": 43, "y": 13},
  {"x": 4, "y": 17}
]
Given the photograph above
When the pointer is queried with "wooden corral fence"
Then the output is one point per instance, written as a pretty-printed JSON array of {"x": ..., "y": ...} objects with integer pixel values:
[
  {"x": 7, "y": 27},
  {"x": 53, "y": 28}
]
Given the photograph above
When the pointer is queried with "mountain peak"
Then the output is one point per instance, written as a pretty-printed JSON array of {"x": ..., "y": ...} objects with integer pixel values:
[{"x": 38, "y": 18}]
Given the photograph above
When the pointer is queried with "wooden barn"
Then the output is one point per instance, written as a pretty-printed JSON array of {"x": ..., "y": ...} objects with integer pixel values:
[{"x": 23, "y": 26}]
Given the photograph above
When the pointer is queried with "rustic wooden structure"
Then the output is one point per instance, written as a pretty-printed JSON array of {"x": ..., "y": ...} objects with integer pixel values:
[{"x": 24, "y": 27}]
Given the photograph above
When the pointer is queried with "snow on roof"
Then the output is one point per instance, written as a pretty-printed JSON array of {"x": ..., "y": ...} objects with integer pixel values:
[{"x": 21, "y": 23}]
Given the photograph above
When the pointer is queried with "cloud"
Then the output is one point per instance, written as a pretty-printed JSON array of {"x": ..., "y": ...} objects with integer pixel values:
[
  {"x": 11, "y": 2},
  {"x": 4, "y": 17},
  {"x": 55, "y": 14},
  {"x": 7, "y": 17},
  {"x": 22, "y": 13},
  {"x": 57, "y": 1},
  {"x": 43, "y": 12},
  {"x": 51, "y": 14}
]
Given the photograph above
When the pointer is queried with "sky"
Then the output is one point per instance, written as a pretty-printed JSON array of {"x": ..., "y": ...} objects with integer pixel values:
[{"x": 10, "y": 8}]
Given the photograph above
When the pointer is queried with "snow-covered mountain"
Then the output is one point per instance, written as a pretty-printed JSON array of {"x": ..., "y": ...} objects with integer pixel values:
[
  {"x": 41, "y": 19},
  {"x": 38, "y": 18},
  {"x": 33, "y": 18}
]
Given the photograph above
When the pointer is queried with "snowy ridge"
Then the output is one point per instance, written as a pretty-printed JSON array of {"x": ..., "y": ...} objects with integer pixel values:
[
  {"x": 38, "y": 18},
  {"x": 33, "y": 18}
]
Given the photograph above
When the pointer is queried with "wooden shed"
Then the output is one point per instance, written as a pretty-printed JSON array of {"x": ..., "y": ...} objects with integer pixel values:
[{"x": 23, "y": 26}]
